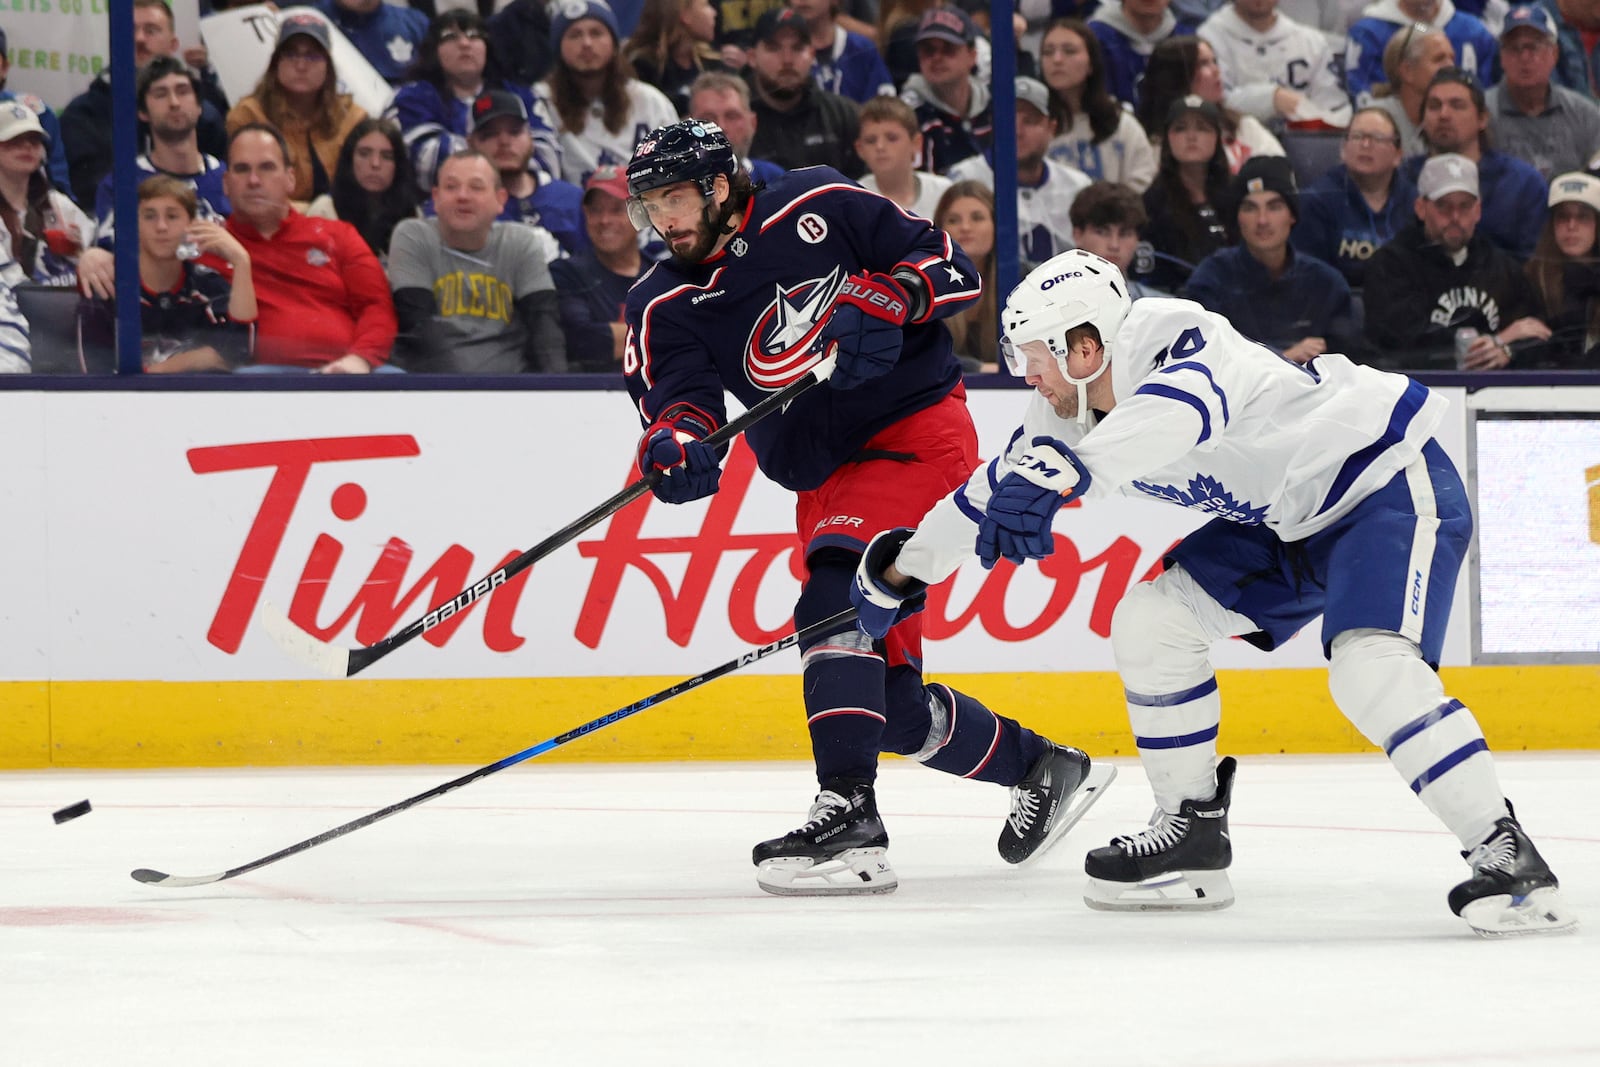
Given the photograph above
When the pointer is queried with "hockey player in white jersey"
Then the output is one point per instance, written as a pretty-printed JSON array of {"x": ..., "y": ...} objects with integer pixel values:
[
  {"x": 1330, "y": 496},
  {"x": 1273, "y": 67}
]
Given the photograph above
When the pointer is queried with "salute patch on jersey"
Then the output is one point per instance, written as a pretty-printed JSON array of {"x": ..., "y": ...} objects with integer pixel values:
[{"x": 781, "y": 344}]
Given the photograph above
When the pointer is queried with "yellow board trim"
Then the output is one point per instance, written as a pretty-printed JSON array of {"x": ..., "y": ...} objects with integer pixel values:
[{"x": 204, "y": 724}]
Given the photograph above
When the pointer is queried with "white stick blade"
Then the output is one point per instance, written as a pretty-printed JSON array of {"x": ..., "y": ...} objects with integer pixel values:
[
  {"x": 149, "y": 877},
  {"x": 317, "y": 654}
]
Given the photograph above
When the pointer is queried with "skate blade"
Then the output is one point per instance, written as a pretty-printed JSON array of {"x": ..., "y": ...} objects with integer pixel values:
[
  {"x": 1178, "y": 891},
  {"x": 1543, "y": 911},
  {"x": 1078, "y": 803},
  {"x": 853, "y": 872}
]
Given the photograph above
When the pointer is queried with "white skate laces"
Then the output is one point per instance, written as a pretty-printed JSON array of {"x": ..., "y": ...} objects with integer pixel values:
[
  {"x": 826, "y": 806},
  {"x": 1166, "y": 830},
  {"x": 1024, "y": 809},
  {"x": 1496, "y": 854}
]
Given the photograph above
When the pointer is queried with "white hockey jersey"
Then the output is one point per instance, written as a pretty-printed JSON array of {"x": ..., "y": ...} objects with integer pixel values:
[
  {"x": 1254, "y": 64},
  {"x": 1044, "y": 211},
  {"x": 1208, "y": 420}
]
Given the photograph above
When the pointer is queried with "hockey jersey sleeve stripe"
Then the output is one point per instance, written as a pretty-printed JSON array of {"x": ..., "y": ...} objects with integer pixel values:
[
  {"x": 644, "y": 323},
  {"x": 1168, "y": 700},
  {"x": 1180, "y": 741},
  {"x": 1405, "y": 409},
  {"x": 1158, "y": 389},
  {"x": 967, "y": 507},
  {"x": 1419, "y": 724},
  {"x": 777, "y": 216},
  {"x": 1222, "y": 397}
]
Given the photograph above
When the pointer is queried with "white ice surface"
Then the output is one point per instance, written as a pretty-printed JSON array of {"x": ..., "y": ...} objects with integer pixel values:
[{"x": 554, "y": 914}]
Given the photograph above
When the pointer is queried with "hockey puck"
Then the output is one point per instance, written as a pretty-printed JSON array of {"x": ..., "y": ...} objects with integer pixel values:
[{"x": 71, "y": 811}]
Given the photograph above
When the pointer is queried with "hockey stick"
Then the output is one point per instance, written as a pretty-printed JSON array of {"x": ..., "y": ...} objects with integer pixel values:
[
  {"x": 820, "y": 629},
  {"x": 338, "y": 662}
]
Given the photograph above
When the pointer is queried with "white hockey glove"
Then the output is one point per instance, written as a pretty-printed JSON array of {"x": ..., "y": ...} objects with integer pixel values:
[{"x": 879, "y": 607}]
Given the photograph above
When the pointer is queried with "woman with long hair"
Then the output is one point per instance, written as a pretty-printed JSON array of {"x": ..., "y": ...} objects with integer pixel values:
[
  {"x": 1097, "y": 136},
  {"x": 1565, "y": 271},
  {"x": 374, "y": 188},
  {"x": 44, "y": 230},
  {"x": 1185, "y": 200},
  {"x": 1184, "y": 66},
  {"x": 671, "y": 46},
  {"x": 299, "y": 94},
  {"x": 454, "y": 66},
  {"x": 966, "y": 213},
  {"x": 1410, "y": 60}
]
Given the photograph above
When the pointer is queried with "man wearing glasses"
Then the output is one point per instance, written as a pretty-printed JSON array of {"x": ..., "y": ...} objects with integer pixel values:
[{"x": 1553, "y": 128}]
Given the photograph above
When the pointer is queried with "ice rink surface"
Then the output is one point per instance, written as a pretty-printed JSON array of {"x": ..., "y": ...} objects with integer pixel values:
[{"x": 560, "y": 914}]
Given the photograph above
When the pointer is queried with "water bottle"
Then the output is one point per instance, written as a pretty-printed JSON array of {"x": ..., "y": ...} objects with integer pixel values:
[
  {"x": 187, "y": 249},
  {"x": 1464, "y": 338}
]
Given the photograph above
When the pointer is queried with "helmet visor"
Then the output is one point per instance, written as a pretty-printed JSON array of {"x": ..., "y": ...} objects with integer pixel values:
[{"x": 683, "y": 200}]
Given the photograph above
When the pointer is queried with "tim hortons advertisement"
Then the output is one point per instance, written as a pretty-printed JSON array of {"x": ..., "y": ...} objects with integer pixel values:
[{"x": 143, "y": 541}]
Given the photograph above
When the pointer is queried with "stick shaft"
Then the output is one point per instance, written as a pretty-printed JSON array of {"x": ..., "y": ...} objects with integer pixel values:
[{"x": 816, "y": 630}]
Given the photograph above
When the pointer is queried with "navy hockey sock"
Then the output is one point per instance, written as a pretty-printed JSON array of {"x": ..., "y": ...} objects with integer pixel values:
[
  {"x": 968, "y": 740},
  {"x": 843, "y": 676}
]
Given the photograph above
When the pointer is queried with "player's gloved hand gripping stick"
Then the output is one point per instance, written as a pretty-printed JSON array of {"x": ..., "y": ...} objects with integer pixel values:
[
  {"x": 864, "y": 328},
  {"x": 340, "y": 662}
]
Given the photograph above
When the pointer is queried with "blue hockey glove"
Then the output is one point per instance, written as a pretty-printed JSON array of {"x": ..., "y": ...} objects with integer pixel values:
[
  {"x": 865, "y": 327},
  {"x": 1016, "y": 524},
  {"x": 879, "y": 607},
  {"x": 689, "y": 468}
]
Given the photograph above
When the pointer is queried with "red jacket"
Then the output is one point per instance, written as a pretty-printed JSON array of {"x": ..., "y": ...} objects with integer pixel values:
[{"x": 320, "y": 291}]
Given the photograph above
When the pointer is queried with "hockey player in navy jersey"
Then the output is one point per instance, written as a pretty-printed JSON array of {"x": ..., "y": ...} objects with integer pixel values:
[
  {"x": 1330, "y": 497},
  {"x": 761, "y": 284}
]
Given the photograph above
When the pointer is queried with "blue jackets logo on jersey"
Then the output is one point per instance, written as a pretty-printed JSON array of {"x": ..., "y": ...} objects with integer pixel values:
[
  {"x": 1207, "y": 494},
  {"x": 781, "y": 344}
]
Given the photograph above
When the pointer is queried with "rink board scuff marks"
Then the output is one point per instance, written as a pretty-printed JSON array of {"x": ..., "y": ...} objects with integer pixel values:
[
  {"x": 407, "y": 721},
  {"x": 609, "y": 914}
]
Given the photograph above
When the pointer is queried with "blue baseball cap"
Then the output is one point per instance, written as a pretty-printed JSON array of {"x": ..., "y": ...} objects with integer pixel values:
[
  {"x": 1530, "y": 16},
  {"x": 563, "y": 13}
]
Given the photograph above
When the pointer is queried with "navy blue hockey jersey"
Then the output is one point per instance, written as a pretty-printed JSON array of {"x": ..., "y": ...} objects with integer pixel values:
[{"x": 747, "y": 319}]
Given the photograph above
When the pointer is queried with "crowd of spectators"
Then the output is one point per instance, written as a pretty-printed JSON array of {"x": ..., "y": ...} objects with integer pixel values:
[{"x": 1413, "y": 182}]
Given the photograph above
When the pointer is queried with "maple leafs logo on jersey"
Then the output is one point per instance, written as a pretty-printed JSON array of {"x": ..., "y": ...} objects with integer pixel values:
[
  {"x": 782, "y": 344},
  {"x": 1205, "y": 493}
]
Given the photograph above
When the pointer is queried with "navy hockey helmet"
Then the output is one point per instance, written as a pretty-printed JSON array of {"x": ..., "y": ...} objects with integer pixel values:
[{"x": 687, "y": 151}]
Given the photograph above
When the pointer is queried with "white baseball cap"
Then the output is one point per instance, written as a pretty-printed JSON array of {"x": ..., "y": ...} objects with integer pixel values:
[
  {"x": 16, "y": 119},
  {"x": 1575, "y": 188},
  {"x": 1447, "y": 173}
]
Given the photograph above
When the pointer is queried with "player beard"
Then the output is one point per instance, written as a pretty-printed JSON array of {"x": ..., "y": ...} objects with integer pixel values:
[{"x": 705, "y": 239}]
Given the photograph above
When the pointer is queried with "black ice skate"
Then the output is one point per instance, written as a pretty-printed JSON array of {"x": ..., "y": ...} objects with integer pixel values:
[
  {"x": 1058, "y": 789},
  {"x": 1512, "y": 890},
  {"x": 842, "y": 849},
  {"x": 1179, "y": 863}
]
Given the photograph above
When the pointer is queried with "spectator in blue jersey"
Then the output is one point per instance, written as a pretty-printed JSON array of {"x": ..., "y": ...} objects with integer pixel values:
[
  {"x": 60, "y": 177},
  {"x": 954, "y": 108},
  {"x": 500, "y": 130},
  {"x": 1106, "y": 220},
  {"x": 799, "y": 124},
  {"x": 1129, "y": 32},
  {"x": 1476, "y": 50},
  {"x": 1296, "y": 305},
  {"x": 1185, "y": 201},
  {"x": 454, "y": 68},
  {"x": 724, "y": 99},
  {"x": 373, "y": 187},
  {"x": 592, "y": 285},
  {"x": 1455, "y": 118},
  {"x": 388, "y": 35},
  {"x": 193, "y": 318},
  {"x": 846, "y": 62},
  {"x": 169, "y": 106},
  {"x": 1097, "y": 135},
  {"x": 884, "y": 437},
  {"x": 1441, "y": 275},
  {"x": 672, "y": 47},
  {"x": 1359, "y": 205},
  {"x": 1552, "y": 127}
]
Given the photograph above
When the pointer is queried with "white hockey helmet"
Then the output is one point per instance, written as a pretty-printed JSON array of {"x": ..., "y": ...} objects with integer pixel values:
[{"x": 1073, "y": 289}]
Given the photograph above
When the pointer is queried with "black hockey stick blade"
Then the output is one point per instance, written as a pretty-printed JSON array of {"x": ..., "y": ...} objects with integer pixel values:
[
  {"x": 339, "y": 662},
  {"x": 821, "y": 629}
]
